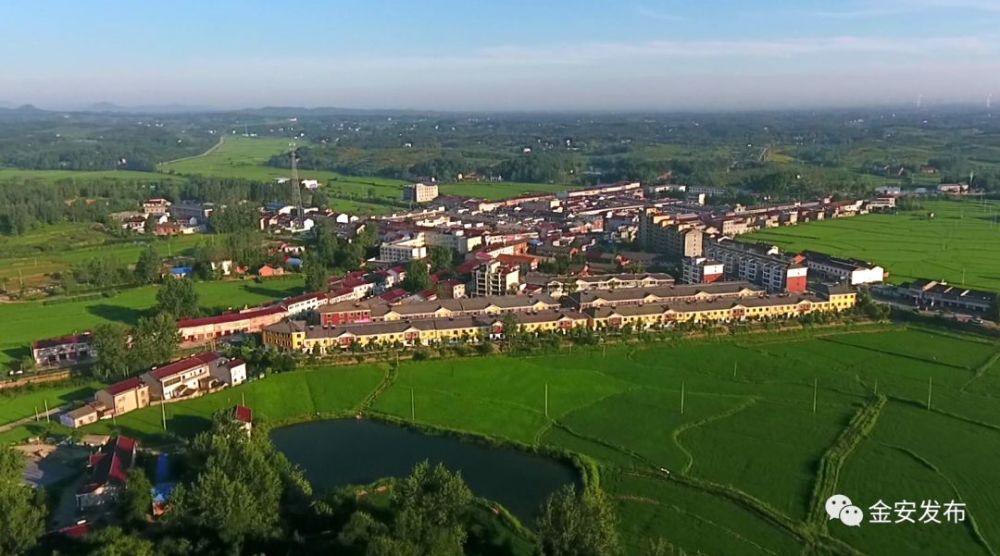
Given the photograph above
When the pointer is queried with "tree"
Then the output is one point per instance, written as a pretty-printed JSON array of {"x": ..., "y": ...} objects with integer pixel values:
[
  {"x": 112, "y": 359},
  {"x": 22, "y": 520},
  {"x": 432, "y": 506},
  {"x": 572, "y": 525},
  {"x": 418, "y": 278},
  {"x": 441, "y": 258},
  {"x": 178, "y": 298},
  {"x": 112, "y": 541},
  {"x": 511, "y": 332},
  {"x": 428, "y": 516},
  {"x": 240, "y": 484},
  {"x": 147, "y": 268},
  {"x": 316, "y": 273},
  {"x": 156, "y": 339},
  {"x": 137, "y": 501}
]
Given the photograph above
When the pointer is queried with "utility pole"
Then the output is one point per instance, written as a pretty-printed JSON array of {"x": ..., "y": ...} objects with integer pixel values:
[
  {"x": 815, "y": 391},
  {"x": 413, "y": 407},
  {"x": 930, "y": 388},
  {"x": 546, "y": 400},
  {"x": 163, "y": 414},
  {"x": 46, "y": 411},
  {"x": 243, "y": 399},
  {"x": 735, "y": 364},
  {"x": 36, "y": 413},
  {"x": 297, "y": 191},
  {"x": 682, "y": 397},
  {"x": 876, "y": 386}
]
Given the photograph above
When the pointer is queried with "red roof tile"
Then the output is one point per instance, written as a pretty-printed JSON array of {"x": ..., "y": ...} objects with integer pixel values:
[
  {"x": 124, "y": 386},
  {"x": 112, "y": 463},
  {"x": 231, "y": 317},
  {"x": 243, "y": 414},
  {"x": 62, "y": 340},
  {"x": 184, "y": 365}
]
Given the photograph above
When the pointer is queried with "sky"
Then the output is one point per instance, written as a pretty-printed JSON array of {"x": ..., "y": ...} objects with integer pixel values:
[{"x": 613, "y": 55}]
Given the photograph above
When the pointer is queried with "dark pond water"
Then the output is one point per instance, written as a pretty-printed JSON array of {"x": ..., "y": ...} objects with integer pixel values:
[{"x": 338, "y": 452}]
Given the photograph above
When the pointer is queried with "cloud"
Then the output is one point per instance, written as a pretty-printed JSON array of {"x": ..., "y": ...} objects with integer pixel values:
[
  {"x": 887, "y": 8},
  {"x": 649, "y": 13}
]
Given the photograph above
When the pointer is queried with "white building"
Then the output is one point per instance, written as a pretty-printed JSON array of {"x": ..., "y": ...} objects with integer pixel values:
[
  {"x": 850, "y": 271},
  {"x": 404, "y": 250},
  {"x": 229, "y": 371},
  {"x": 304, "y": 303}
]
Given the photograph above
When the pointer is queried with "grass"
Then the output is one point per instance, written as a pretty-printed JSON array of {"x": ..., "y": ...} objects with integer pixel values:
[
  {"x": 35, "y": 256},
  {"x": 56, "y": 175},
  {"x": 15, "y": 405},
  {"x": 280, "y": 397},
  {"x": 744, "y": 455},
  {"x": 961, "y": 244},
  {"x": 20, "y": 323},
  {"x": 246, "y": 157}
]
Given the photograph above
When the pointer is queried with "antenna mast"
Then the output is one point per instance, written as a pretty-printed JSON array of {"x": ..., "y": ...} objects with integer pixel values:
[{"x": 299, "y": 220}]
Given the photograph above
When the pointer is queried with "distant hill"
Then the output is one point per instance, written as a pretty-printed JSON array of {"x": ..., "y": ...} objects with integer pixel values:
[{"x": 112, "y": 108}]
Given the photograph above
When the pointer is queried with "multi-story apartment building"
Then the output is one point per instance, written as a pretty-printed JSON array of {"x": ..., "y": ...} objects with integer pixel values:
[
  {"x": 403, "y": 250},
  {"x": 700, "y": 270},
  {"x": 420, "y": 193},
  {"x": 495, "y": 278},
  {"x": 761, "y": 265}
]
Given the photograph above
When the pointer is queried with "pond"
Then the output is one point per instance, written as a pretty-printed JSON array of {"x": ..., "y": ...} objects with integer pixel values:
[{"x": 338, "y": 452}]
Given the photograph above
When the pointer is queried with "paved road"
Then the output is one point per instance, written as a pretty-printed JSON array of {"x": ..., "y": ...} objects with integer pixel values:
[{"x": 28, "y": 420}]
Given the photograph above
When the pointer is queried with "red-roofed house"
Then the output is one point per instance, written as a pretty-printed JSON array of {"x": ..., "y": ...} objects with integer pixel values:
[
  {"x": 63, "y": 351},
  {"x": 524, "y": 262},
  {"x": 205, "y": 329},
  {"x": 181, "y": 378},
  {"x": 394, "y": 296},
  {"x": 268, "y": 271},
  {"x": 244, "y": 416},
  {"x": 122, "y": 397},
  {"x": 109, "y": 472}
]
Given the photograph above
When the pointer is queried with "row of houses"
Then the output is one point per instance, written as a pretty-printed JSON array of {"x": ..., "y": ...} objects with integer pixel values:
[
  {"x": 187, "y": 377},
  {"x": 378, "y": 310},
  {"x": 557, "y": 286},
  {"x": 296, "y": 335}
]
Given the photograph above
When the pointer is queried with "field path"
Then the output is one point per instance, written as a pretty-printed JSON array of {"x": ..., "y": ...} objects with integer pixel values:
[
  {"x": 971, "y": 521},
  {"x": 981, "y": 371},
  {"x": 830, "y": 464},
  {"x": 675, "y": 436},
  {"x": 27, "y": 420},
  {"x": 212, "y": 149}
]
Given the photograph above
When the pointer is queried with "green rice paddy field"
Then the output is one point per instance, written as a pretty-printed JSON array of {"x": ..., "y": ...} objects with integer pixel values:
[
  {"x": 962, "y": 240},
  {"x": 744, "y": 453}
]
